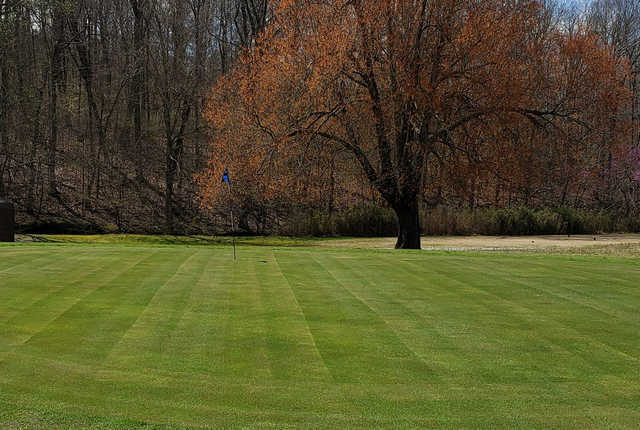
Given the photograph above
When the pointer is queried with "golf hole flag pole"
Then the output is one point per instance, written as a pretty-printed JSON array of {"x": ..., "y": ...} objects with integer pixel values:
[{"x": 225, "y": 179}]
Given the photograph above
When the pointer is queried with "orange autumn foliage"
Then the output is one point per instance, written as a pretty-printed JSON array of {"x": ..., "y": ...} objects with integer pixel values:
[{"x": 410, "y": 94}]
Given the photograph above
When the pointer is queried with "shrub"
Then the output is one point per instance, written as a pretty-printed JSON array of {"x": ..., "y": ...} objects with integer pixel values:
[
  {"x": 371, "y": 220},
  {"x": 548, "y": 221},
  {"x": 360, "y": 221}
]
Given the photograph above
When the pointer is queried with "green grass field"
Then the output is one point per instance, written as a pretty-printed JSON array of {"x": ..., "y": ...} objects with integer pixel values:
[{"x": 175, "y": 336}]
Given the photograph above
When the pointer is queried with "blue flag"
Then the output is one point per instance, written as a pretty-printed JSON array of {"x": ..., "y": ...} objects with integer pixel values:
[{"x": 225, "y": 176}]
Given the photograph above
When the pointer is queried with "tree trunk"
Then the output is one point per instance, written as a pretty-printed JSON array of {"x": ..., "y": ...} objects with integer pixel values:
[
  {"x": 137, "y": 84},
  {"x": 408, "y": 225},
  {"x": 4, "y": 120},
  {"x": 170, "y": 174},
  {"x": 56, "y": 76},
  {"x": 3, "y": 193}
]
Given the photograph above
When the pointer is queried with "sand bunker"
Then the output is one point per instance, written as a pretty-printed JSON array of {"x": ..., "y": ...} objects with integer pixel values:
[{"x": 493, "y": 243}]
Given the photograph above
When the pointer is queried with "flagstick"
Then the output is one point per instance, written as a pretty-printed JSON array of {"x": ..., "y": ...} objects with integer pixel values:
[{"x": 233, "y": 230}]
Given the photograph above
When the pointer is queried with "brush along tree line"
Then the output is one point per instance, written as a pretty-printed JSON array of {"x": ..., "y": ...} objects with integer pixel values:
[{"x": 107, "y": 109}]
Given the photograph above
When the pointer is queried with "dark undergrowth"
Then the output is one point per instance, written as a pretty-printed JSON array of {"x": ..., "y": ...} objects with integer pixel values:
[
  {"x": 373, "y": 221},
  {"x": 377, "y": 221}
]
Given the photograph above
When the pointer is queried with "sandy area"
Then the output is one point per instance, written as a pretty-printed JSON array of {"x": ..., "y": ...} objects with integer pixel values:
[{"x": 494, "y": 242}]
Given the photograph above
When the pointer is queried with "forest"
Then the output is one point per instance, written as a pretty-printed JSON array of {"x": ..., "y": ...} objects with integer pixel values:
[{"x": 334, "y": 117}]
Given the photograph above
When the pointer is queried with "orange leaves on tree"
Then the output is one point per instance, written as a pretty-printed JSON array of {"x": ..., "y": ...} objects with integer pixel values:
[{"x": 397, "y": 87}]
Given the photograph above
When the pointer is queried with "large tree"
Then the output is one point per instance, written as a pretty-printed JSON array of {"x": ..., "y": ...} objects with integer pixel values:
[{"x": 398, "y": 83}]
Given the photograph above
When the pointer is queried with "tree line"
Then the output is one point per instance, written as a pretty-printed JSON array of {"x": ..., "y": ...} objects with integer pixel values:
[
  {"x": 121, "y": 115},
  {"x": 101, "y": 106}
]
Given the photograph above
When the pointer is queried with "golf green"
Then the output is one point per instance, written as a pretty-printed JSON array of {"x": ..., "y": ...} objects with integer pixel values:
[{"x": 117, "y": 336}]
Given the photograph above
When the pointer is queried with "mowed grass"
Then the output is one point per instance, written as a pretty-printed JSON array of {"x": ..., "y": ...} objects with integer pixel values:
[{"x": 111, "y": 336}]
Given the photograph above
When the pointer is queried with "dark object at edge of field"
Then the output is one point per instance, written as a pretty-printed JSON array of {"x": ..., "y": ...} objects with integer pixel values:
[{"x": 7, "y": 222}]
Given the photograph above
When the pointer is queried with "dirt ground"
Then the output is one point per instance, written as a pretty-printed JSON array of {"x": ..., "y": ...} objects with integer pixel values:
[{"x": 499, "y": 243}]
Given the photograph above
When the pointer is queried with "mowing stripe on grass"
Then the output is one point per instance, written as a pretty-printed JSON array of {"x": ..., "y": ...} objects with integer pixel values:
[
  {"x": 568, "y": 272},
  {"x": 347, "y": 286},
  {"x": 444, "y": 304},
  {"x": 526, "y": 330},
  {"x": 41, "y": 262},
  {"x": 385, "y": 297},
  {"x": 197, "y": 337},
  {"x": 244, "y": 353},
  {"x": 88, "y": 329},
  {"x": 56, "y": 299},
  {"x": 293, "y": 352},
  {"x": 586, "y": 294},
  {"x": 470, "y": 327},
  {"x": 563, "y": 337},
  {"x": 135, "y": 294},
  {"x": 584, "y": 291},
  {"x": 143, "y": 343},
  {"x": 356, "y": 344},
  {"x": 11, "y": 259},
  {"x": 592, "y": 324},
  {"x": 20, "y": 292}
]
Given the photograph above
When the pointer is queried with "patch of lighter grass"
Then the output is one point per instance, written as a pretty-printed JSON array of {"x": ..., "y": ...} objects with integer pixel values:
[
  {"x": 144, "y": 239},
  {"x": 614, "y": 250}
]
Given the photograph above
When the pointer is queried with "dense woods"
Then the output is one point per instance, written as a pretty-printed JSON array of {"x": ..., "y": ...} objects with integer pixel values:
[
  {"x": 121, "y": 115},
  {"x": 101, "y": 107}
]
